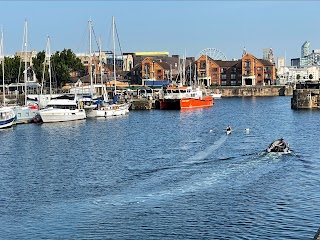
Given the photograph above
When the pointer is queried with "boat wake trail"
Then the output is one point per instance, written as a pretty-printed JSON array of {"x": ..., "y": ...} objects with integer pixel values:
[{"x": 209, "y": 150}]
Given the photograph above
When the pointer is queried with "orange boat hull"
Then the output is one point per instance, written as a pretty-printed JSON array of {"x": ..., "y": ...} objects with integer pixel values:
[
  {"x": 196, "y": 103},
  {"x": 187, "y": 103}
]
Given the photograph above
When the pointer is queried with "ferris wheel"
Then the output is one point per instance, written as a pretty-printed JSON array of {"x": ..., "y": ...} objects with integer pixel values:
[{"x": 213, "y": 53}]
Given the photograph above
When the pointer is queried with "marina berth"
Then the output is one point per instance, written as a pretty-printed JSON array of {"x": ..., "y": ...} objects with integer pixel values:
[{"x": 63, "y": 108}]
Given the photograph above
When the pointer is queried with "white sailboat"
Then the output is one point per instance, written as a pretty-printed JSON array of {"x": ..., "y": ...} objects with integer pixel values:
[
  {"x": 7, "y": 115},
  {"x": 106, "y": 109},
  {"x": 124, "y": 107},
  {"x": 25, "y": 113},
  {"x": 43, "y": 98}
]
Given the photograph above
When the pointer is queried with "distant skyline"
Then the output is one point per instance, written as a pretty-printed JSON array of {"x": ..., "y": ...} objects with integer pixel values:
[{"x": 177, "y": 27}]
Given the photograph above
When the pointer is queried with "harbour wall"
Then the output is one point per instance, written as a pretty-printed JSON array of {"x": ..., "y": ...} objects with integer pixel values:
[
  {"x": 305, "y": 99},
  {"x": 255, "y": 91}
]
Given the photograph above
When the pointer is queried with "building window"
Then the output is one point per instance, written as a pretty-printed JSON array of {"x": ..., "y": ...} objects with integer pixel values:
[
  {"x": 223, "y": 83},
  {"x": 233, "y": 76},
  {"x": 215, "y": 70},
  {"x": 258, "y": 68},
  {"x": 247, "y": 63},
  {"x": 85, "y": 62},
  {"x": 234, "y": 69},
  {"x": 233, "y": 83},
  {"x": 223, "y": 76},
  {"x": 223, "y": 70}
]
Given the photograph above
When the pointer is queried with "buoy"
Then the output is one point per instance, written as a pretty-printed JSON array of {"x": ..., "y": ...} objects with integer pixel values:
[{"x": 247, "y": 130}]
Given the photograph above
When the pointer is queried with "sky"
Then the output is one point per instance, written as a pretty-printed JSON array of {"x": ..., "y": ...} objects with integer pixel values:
[{"x": 178, "y": 27}]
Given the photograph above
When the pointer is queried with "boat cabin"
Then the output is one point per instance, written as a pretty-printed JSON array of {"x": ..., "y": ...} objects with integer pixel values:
[{"x": 180, "y": 92}]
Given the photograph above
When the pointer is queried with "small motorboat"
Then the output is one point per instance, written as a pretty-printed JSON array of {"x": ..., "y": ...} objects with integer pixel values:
[
  {"x": 228, "y": 132},
  {"x": 279, "y": 145}
]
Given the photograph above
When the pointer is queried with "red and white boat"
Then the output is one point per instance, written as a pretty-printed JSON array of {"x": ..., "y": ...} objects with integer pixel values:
[{"x": 184, "y": 97}]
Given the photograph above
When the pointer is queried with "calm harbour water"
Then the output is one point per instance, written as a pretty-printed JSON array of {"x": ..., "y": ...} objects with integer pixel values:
[{"x": 164, "y": 175}]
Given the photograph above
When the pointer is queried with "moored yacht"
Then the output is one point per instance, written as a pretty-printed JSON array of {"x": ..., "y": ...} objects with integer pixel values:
[
  {"x": 109, "y": 110},
  {"x": 63, "y": 108},
  {"x": 7, "y": 116}
]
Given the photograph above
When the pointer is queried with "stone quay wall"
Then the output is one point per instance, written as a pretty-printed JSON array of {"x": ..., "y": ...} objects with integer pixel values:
[{"x": 254, "y": 91}]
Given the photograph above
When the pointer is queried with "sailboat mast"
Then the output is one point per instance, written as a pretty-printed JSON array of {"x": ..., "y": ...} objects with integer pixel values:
[
  {"x": 114, "y": 58},
  {"x": 90, "y": 57},
  {"x": 100, "y": 60},
  {"x": 104, "y": 90},
  {"x": 190, "y": 73},
  {"x": 25, "y": 62},
  {"x": 206, "y": 69},
  {"x": 195, "y": 76},
  {"x": 49, "y": 66},
  {"x": 2, "y": 57}
]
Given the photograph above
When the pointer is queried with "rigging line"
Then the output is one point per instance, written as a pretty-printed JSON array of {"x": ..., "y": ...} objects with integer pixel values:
[
  {"x": 24, "y": 32},
  {"x": 95, "y": 38},
  {"x": 84, "y": 34},
  {"x": 115, "y": 27},
  {"x": 109, "y": 41}
]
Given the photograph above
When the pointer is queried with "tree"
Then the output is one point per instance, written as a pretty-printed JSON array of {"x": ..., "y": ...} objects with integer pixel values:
[
  {"x": 310, "y": 76},
  {"x": 62, "y": 64},
  {"x": 11, "y": 69},
  {"x": 298, "y": 76},
  {"x": 37, "y": 66}
]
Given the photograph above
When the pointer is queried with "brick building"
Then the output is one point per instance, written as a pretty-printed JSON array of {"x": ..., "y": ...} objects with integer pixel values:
[{"x": 246, "y": 71}]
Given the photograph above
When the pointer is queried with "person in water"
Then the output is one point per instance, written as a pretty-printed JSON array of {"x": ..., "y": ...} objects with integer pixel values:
[{"x": 228, "y": 128}]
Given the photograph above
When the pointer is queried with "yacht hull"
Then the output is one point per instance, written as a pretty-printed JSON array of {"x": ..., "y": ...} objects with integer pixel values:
[
  {"x": 62, "y": 115},
  {"x": 7, "y": 117}
]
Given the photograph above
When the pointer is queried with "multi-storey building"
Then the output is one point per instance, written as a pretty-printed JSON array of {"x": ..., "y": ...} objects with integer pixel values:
[
  {"x": 295, "y": 74},
  {"x": 158, "y": 67},
  {"x": 27, "y": 56},
  {"x": 205, "y": 71},
  {"x": 247, "y": 71}
]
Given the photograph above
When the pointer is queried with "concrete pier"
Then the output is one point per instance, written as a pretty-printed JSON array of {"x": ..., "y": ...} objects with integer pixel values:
[
  {"x": 142, "y": 104},
  {"x": 306, "y": 96}
]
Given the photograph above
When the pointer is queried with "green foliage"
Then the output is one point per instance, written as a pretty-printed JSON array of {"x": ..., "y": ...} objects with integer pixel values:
[
  {"x": 62, "y": 64},
  {"x": 310, "y": 76},
  {"x": 298, "y": 76},
  {"x": 11, "y": 69},
  {"x": 38, "y": 66}
]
